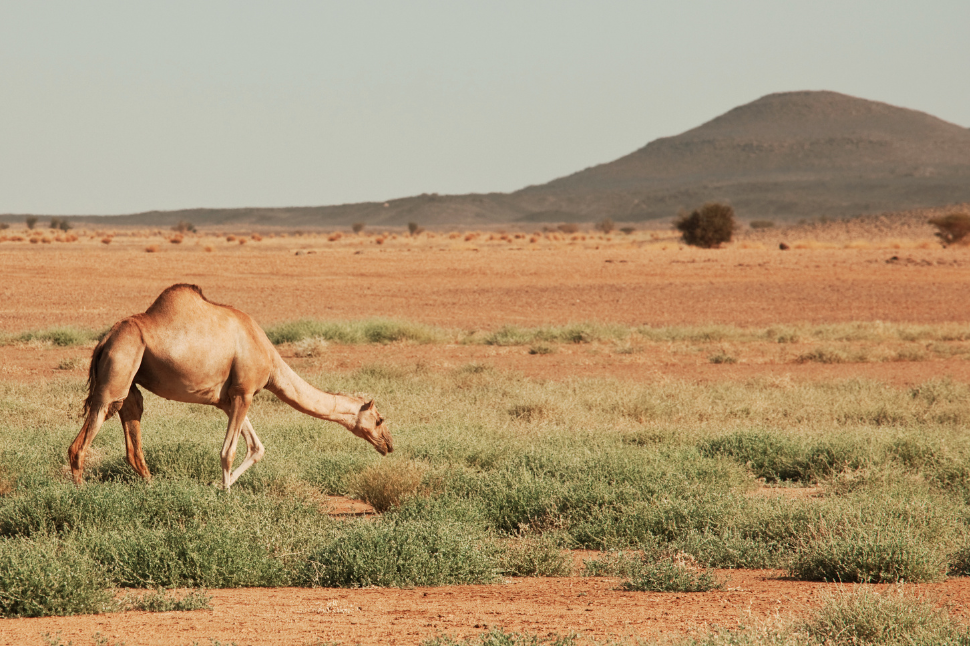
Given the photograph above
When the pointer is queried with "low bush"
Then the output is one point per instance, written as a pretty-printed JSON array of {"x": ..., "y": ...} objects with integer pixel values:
[
  {"x": 45, "y": 577},
  {"x": 537, "y": 555},
  {"x": 668, "y": 575},
  {"x": 777, "y": 457},
  {"x": 894, "y": 617},
  {"x": 869, "y": 556},
  {"x": 708, "y": 227},
  {"x": 402, "y": 553},
  {"x": 952, "y": 228},
  {"x": 387, "y": 483}
]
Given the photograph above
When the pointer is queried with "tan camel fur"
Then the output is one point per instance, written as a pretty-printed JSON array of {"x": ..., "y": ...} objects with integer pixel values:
[{"x": 189, "y": 349}]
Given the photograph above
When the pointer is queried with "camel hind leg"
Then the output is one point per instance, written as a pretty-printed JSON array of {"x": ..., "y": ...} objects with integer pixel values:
[
  {"x": 130, "y": 414},
  {"x": 113, "y": 366}
]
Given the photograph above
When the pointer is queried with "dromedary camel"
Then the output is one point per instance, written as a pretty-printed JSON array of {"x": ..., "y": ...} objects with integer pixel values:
[{"x": 189, "y": 349}]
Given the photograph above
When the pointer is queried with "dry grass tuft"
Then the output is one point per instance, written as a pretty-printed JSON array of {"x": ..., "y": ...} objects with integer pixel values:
[
  {"x": 387, "y": 483},
  {"x": 152, "y": 248},
  {"x": 106, "y": 240}
]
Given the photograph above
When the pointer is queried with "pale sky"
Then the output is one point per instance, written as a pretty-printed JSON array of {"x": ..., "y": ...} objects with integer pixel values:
[{"x": 120, "y": 107}]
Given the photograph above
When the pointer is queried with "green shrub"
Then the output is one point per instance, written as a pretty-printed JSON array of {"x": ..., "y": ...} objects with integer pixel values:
[
  {"x": 668, "y": 575},
  {"x": 895, "y": 617},
  {"x": 211, "y": 556},
  {"x": 869, "y": 555},
  {"x": 708, "y": 227},
  {"x": 777, "y": 457},
  {"x": 402, "y": 553},
  {"x": 44, "y": 577},
  {"x": 539, "y": 555},
  {"x": 613, "y": 563}
]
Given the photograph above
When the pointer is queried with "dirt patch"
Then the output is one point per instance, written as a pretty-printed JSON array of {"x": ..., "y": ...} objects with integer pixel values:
[
  {"x": 589, "y": 606},
  {"x": 450, "y": 284}
]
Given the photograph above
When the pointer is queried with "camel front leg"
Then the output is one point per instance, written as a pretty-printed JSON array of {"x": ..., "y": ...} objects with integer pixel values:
[
  {"x": 238, "y": 409},
  {"x": 130, "y": 414}
]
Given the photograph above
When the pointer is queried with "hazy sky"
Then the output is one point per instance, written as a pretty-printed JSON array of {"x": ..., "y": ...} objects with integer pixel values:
[{"x": 118, "y": 107}]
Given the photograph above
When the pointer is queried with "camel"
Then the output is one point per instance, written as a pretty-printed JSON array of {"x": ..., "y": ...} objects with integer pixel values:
[{"x": 189, "y": 349}]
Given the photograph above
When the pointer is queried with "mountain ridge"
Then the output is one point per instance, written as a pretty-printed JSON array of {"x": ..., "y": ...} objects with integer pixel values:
[{"x": 786, "y": 156}]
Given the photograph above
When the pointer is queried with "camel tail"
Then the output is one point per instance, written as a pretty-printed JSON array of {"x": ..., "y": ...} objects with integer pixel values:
[{"x": 93, "y": 375}]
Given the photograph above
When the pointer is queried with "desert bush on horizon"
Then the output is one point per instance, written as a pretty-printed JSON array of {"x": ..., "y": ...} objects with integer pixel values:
[
  {"x": 568, "y": 227},
  {"x": 952, "y": 228},
  {"x": 708, "y": 227},
  {"x": 184, "y": 226},
  {"x": 357, "y": 227},
  {"x": 60, "y": 223},
  {"x": 30, "y": 221},
  {"x": 605, "y": 225}
]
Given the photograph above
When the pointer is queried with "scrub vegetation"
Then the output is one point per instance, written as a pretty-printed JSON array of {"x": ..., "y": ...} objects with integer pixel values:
[{"x": 493, "y": 474}]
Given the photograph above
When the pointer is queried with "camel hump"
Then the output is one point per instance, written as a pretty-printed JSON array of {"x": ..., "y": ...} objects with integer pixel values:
[{"x": 176, "y": 294}]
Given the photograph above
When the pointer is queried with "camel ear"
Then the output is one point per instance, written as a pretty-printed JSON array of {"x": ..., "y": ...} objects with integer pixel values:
[{"x": 369, "y": 405}]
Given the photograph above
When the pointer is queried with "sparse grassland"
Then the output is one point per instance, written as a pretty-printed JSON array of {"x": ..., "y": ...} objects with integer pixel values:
[
  {"x": 492, "y": 473},
  {"x": 860, "y": 342}
]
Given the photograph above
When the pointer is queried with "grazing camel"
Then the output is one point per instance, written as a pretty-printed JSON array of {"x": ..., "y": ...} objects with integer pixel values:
[{"x": 189, "y": 349}]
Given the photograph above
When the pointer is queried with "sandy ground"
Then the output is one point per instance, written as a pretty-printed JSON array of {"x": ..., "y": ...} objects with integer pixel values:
[
  {"x": 592, "y": 607},
  {"x": 454, "y": 284},
  {"x": 483, "y": 285}
]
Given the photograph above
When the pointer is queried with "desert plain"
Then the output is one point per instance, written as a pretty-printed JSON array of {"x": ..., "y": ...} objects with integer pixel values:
[{"x": 479, "y": 285}]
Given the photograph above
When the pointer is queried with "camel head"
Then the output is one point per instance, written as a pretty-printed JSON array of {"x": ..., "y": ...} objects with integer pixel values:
[{"x": 370, "y": 426}]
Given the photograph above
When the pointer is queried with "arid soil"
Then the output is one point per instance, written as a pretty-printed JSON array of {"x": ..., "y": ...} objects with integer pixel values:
[
  {"x": 592, "y": 607},
  {"x": 483, "y": 284}
]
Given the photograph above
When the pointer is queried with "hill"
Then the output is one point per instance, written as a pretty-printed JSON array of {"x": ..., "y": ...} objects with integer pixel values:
[
  {"x": 789, "y": 156},
  {"x": 784, "y": 156}
]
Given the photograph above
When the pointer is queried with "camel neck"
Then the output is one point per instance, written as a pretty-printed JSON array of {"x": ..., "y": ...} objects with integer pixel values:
[{"x": 292, "y": 389}]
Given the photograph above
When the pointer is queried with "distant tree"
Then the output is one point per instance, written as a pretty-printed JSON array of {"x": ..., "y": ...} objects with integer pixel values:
[
  {"x": 4, "y": 225},
  {"x": 707, "y": 227},
  {"x": 414, "y": 229},
  {"x": 358, "y": 227},
  {"x": 628, "y": 230},
  {"x": 605, "y": 225},
  {"x": 60, "y": 223},
  {"x": 952, "y": 228},
  {"x": 184, "y": 226},
  {"x": 30, "y": 221},
  {"x": 568, "y": 227}
]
